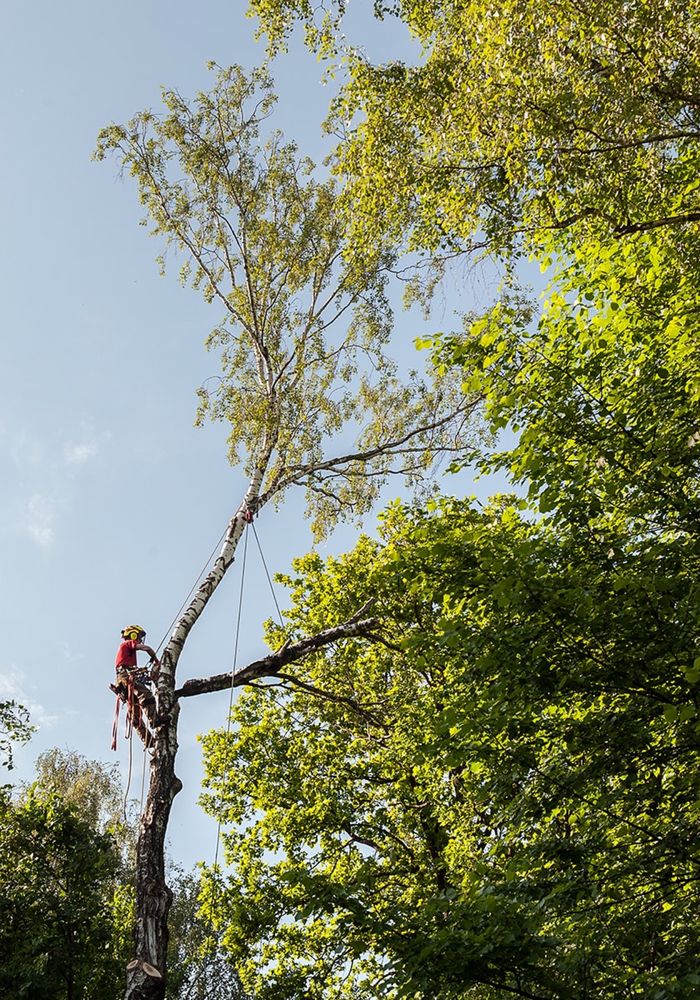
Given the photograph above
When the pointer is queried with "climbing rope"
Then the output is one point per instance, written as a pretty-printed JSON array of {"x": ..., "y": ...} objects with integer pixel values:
[
  {"x": 143, "y": 780},
  {"x": 231, "y": 686},
  {"x": 235, "y": 658},
  {"x": 269, "y": 579},
  {"x": 130, "y": 699},
  {"x": 133, "y": 708},
  {"x": 228, "y": 730},
  {"x": 128, "y": 780},
  {"x": 193, "y": 588},
  {"x": 133, "y": 720},
  {"x": 230, "y": 697}
]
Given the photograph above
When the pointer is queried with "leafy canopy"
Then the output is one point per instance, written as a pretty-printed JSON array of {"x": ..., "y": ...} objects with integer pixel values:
[
  {"x": 62, "y": 911},
  {"x": 497, "y": 796},
  {"x": 600, "y": 394},
  {"x": 520, "y": 121},
  {"x": 303, "y": 342}
]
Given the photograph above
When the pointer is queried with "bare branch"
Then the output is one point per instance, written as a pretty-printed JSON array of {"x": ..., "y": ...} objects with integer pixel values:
[
  {"x": 337, "y": 699},
  {"x": 334, "y": 466}
]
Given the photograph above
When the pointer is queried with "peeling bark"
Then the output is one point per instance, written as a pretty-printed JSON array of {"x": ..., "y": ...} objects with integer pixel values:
[{"x": 153, "y": 897}]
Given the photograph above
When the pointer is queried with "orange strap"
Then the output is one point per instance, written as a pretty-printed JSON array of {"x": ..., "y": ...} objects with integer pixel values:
[
  {"x": 133, "y": 712},
  {"x": 115, "y": 724}
]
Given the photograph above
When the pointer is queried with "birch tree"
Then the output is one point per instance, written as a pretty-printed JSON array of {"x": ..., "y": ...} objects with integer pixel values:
[{"x": 303, "y": 344}]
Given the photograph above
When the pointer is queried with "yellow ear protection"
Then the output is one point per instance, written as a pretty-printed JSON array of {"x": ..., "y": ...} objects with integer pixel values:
[{"x": 133, "y": 632}]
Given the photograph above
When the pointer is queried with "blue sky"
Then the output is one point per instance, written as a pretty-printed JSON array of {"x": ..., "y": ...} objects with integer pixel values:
[{"x": 111, "y": 499}]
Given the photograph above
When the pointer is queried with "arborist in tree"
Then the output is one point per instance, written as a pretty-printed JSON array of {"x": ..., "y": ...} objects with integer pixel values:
[
  {"x": 127, "y": 667},
  {"x": 132, "y": 686}
]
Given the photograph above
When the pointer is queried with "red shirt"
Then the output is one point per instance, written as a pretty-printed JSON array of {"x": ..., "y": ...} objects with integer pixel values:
[{"x": 126, "y": 654}]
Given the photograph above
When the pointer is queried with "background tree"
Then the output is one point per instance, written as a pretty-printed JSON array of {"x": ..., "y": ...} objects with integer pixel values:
[
  {"x": 93, "y": 788},
  {"x": 60, "y": 903},
  {"x": 303, "y": 352},
  {"x": 519, "y": 122},
  {"x": 199, "y": 968},
  {"x": 68, "y": 859},
  {"x": 14, "y": 728},
  {"x": 45, "y": 900},
  {"x": 497, "y": 797}
]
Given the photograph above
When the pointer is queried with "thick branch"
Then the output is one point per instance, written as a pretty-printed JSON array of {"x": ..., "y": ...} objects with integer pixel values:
[
  {"x": 670, "y": 220},
  {"x": 269, "y": 666}
]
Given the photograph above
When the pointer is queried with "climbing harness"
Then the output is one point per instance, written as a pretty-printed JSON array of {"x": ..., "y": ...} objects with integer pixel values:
[{"x": 135, "y": 716}]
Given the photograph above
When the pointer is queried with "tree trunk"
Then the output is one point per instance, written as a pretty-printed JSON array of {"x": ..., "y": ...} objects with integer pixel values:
[
  {"x": 153, "y": 897},
  {"x": 146, "y": 973}
]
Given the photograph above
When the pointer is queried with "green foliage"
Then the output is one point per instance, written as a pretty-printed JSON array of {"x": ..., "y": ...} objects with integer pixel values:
[
  {"x": 96, "y": 915},
  {"x": 600, "y": 396},
  {"x": 495, "y": 795},
  {"x": 491, "y": 798},
  {"x": 66, "y": 898},
  {"x": 62, "y": 913},
  {"x": 306, "y": 321},
  {"x": 499, "y": 795},
  {"x": 14, "y": 728},
  {"x": 321, "y": 23},
  {"x": 92, "y": 788},
  {"x": 520, "y": 121}
]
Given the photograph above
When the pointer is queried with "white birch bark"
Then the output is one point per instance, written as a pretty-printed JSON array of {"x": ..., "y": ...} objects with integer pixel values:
[{"x": 153, "y": 897}]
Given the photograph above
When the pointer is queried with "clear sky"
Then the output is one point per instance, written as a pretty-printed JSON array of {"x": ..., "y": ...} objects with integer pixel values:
[{"x": 111, "y": 500}]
